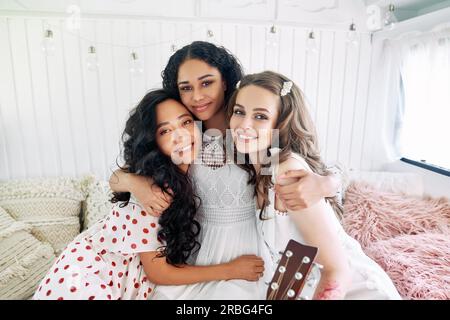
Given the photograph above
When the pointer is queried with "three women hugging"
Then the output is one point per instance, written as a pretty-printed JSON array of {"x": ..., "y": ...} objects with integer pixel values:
[{"x": 188, "y": 222}]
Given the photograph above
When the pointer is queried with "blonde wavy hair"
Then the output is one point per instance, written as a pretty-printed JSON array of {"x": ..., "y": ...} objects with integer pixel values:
[{"x": 297, "y": 132}]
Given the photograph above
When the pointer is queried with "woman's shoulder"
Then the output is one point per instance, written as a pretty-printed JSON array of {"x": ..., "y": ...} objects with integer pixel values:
[
  {"x": 293, "y": 162},
  {"x": 134, "y": 210}
]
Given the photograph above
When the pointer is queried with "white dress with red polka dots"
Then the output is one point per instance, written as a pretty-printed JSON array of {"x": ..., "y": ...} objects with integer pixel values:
[{"x": 103, "y": 262}]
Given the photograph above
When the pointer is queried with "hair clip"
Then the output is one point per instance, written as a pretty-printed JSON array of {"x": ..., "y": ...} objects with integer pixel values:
[
  {"x": 238, "y": 84},
  {"x": 287, "y": 86}
]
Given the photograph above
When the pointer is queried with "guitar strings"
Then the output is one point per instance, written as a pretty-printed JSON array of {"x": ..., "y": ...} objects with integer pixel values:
[{"x": 293, "y": 280}]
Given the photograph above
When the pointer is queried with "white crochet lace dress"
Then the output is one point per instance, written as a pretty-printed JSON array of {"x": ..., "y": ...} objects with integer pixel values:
[
  {"x": 369, "y": 281},
  {"x": 228, "y": 230}
]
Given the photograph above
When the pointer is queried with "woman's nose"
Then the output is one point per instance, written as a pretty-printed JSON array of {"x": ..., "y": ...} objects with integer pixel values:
[
  {"x": 198, "y": 95},
  {"x": 246, "y": 124},
  {"x": 180, "y": 135}
]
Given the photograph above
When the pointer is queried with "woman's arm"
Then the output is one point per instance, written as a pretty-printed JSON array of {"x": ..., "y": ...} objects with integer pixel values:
[
  {"x": 154, "y": 200},
  {"x": 158, "y": 271},
  {"x": 316, "y": 224},
  {"x": 118, "y": 181},
  {"x": 300, "y": 188}
]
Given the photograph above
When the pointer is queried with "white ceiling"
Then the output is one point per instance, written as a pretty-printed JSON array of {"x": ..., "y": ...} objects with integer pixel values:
[
  {"x": 413, "y": 5},
  {"x": 406, "y": 9}
]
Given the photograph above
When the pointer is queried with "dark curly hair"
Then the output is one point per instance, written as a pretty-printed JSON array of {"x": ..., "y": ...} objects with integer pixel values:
[
  {"x": 217, "y": 57},
  {"x": 142, "y": 157}
]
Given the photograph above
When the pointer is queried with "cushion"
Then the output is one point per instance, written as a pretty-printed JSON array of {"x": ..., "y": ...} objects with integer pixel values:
[
  {"x": 96, "y": 204},
  {"x": 400, "y": 182},
  {"x": 51, "y": 206},
  {"x": 371, "y": 214},
  {"x": 419, "y": 265},
  {"x": 24, "y": 260}
]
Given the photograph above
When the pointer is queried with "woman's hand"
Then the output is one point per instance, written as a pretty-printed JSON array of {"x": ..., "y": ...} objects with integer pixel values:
[
  {"x": 150, "y": 196},
  {"x": 301, "y": 189},
  {"x": 332, "y": 286},
  {"x": 246, "y": 267}
]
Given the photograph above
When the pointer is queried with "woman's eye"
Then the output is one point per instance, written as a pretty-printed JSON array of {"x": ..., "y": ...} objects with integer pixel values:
[
  {"x": 238, "y": 112},
  {"x": 261, "y": 117},
  {"x": 188, "y": 122},
  {"x": 206, "y": 83},
  {"x": 185, "y": 88},
  {"x": 163, "y": 132}
]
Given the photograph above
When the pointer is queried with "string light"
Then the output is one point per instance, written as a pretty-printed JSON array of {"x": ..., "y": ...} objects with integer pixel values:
[
  {"x": 48, "y": 43},
  {"x": 272, "y": 37},
  {"x": 311, "y": 43},
  {"x": 136, "y": 64},
  {"x": 352, "y": 35},
  {"x": 211, "y": 37},
  {"x": 91, "y": 60},
  {"x": 136, "y": 67}
]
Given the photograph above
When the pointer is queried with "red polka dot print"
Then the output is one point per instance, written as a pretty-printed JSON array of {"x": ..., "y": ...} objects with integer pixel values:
[{"x": 104, "y": 262}]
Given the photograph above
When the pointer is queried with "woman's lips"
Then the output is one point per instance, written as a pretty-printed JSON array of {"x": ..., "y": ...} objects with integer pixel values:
[
  {"x": 184, "y": 149},
  {"x": 246, "y": 138},
  {"x": 202, "y": 107}
]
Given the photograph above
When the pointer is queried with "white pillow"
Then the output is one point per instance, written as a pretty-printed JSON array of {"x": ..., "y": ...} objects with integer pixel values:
[
  {"x": 24, "y": 260},
  {"x": 97, "y": 204},
  {"x": 410, "y": 184},
  {"x": 52, "y": 206}
]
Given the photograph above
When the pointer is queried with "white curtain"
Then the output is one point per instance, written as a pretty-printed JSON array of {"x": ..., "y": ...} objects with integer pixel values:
[
  {"x": 425, "y": 70},
  {"x": 385, "y": 112},
  {"x": 412, "y": 97}
]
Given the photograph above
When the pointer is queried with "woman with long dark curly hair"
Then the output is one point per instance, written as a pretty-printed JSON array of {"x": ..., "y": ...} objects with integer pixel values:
[{"x": 127, "y": 253}]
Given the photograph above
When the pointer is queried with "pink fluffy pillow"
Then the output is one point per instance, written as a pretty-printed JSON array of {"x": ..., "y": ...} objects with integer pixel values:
[
  {"x": 371, "y": 214},
  {"x": 419, "y": 265}
]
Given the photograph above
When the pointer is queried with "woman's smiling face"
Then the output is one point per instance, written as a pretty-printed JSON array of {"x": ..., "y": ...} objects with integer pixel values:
[
  {"x": 254, "y": 117},
  {"x": 201, "y": 88},
  {"x": 177, "y": 136}
]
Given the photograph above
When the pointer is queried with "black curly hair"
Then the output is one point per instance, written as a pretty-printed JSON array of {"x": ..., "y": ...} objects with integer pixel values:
[
  {"x": 217, "y": 57},
  {"x": 142, "y": 157}
]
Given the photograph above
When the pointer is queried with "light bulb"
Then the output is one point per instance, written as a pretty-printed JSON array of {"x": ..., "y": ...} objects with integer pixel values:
[
  {"x": 91, "y": 60},
  {"x": 48, "y": 43},
  {"x": 272, "y": 37},
  {"x": 311, "y": 43},
  {"x": 211, "y": 37},
  {"x": 136, "y": 67},
  {"x": 389, "y": 18},
  {"x": 352, "y": 36}
]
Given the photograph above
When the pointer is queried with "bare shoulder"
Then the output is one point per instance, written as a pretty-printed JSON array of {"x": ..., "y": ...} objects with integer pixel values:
[{"x": 294, "y": 162}]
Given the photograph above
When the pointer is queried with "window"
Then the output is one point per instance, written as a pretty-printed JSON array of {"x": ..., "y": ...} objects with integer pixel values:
[{"x": 425, "y": 132}]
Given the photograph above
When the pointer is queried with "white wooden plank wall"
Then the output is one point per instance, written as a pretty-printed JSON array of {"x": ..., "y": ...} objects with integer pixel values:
[{"x": 59, "y": 118}]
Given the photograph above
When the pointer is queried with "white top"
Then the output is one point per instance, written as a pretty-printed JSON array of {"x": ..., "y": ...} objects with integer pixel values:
[
  {"x": 369, "y": 281},
  {"x": 228, "y": 230}
]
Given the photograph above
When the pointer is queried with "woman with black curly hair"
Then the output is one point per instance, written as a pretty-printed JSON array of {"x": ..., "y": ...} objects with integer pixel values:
[
  {"x": 203, "y": 77},
  {"x": 126, "y": 254}
]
